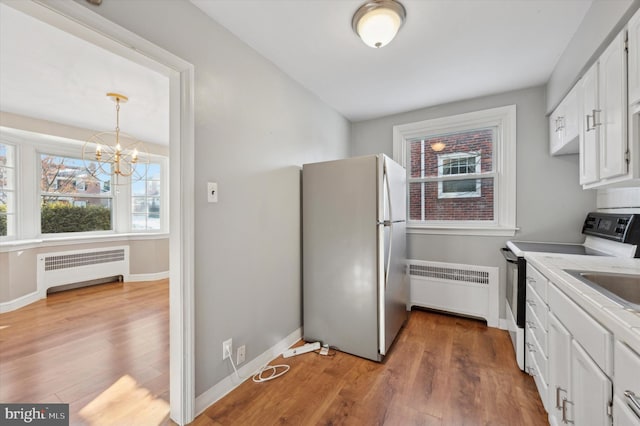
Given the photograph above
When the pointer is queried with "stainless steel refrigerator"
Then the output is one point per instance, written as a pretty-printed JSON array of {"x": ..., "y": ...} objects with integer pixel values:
[{"x": 355, "y": 287}]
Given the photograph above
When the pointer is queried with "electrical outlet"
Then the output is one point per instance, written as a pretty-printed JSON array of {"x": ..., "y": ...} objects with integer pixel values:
[
  {"x": 241, "y": 354},
  {"x": 227, "y": 348}
]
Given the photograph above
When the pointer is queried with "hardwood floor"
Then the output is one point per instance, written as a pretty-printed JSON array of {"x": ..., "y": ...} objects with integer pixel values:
[
  {"x": 442, "y": 370},
  {"x": 103, "y": 349}
]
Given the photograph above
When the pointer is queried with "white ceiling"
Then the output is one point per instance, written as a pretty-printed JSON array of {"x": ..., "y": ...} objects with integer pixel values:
[
  {"x": 447, "y": 50},
  {"x": 52, "y": 75}
]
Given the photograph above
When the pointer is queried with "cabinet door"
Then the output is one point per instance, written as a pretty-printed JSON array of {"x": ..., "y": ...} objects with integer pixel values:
[
  {"x": 589, "y": 172},
  {"x": 633, "y": 35},
  {"x": 611, "y": 121},
  {"x": 591, "y": 391},
  {"x": 556, "y": 130},
  {"x": 572, "y": 120},
  {"x": 559, "y": 366}
]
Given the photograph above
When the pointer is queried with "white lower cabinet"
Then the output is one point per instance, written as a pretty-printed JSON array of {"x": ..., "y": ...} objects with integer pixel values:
[
  {"x": 559, "y": 369},
  {"x": 626, "y": 401},
  {"x": 591, "y": 393},
  {"x": 579, "y": 391}
]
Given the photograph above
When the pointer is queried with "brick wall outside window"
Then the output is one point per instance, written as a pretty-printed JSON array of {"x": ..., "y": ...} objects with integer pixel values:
[{"x": 454, "y": 208}]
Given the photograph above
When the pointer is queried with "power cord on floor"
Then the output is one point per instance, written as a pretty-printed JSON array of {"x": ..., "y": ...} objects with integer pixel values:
[{"x": 258, "y": 378}]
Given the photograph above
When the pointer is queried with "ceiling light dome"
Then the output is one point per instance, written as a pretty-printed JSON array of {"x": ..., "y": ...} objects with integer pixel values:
[{"x": 377, "y": 22}]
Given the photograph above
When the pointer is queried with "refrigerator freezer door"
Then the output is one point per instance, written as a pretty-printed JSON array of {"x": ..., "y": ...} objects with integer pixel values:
[
  {"x": 340, "y": 255},
  {"x": 394, "y": 289}
]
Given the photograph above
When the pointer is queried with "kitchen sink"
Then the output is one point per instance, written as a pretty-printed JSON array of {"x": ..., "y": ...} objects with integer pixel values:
[{"x": 622, "y": 288}]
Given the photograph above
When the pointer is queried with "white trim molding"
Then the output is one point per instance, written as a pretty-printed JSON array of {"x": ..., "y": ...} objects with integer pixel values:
[
  {"x": 82, "y": 22},
  {"x": 229, "y": 383},
  {"x": 20, "y": 302},
  {"x": 149, "y": 277},
  {"x": 503, "y": 119}
]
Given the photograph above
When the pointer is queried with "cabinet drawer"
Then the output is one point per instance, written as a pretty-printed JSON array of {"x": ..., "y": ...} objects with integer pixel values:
[
  {"x": 593, "y": 337},
  {"x": 537, "y": 281},
  {"x": 534, "y": 324},
  {"x": 535, "y": 351},
  {"x": 541, "y": 383},
  {"x": 535, "y": 303},
  {"x": 627, "y": 374}
]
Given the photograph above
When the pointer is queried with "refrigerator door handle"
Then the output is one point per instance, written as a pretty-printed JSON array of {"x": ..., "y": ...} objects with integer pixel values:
[{"x": 386, "y": 180}]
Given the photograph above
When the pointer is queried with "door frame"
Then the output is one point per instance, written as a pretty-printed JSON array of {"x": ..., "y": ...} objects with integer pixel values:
[{"x": 82, "y": 22}]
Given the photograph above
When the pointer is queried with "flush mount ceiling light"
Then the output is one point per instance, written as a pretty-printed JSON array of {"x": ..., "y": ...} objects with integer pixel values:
[{"x": 377, "y": 22}]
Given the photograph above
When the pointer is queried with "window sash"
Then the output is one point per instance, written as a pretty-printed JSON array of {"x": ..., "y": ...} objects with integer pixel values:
[{"x": 503, "y": 121}]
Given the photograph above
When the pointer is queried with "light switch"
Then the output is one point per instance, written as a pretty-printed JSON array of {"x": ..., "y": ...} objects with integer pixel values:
[{"x": 212, "y": 192}]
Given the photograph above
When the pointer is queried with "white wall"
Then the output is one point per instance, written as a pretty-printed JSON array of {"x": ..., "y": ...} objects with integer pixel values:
[
  {"x": 550, "y": 202},
  {"x": 255, "y": 127}
]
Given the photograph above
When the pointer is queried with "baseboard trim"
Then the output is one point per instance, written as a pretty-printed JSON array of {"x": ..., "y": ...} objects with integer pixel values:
[
  {"x": 229, "y": 383},
  {"x": 20, "y": 302},
  {"x": 504, "y": 324},
  {"x": 148, "y": 277}
]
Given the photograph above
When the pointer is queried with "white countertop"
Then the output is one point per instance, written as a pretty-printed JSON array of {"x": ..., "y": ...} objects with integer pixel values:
[{"x": 625, "y": 325}]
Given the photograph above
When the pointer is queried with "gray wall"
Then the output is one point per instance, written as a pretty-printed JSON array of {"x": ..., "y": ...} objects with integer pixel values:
[
  {"x": 550, "y": 202},
  {"x": 254, "y": 128},
  {"x": 18, "y": 268},
  {"x": 601, "y": 24}
]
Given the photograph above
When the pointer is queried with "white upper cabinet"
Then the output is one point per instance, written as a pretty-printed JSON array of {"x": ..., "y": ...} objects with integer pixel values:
[
  {"x": 604, "y": 147},
  {"x": 612, "y": 119},
  {"x": 633, "y": 34},
  {"x": 564, "y": 128},
  {"x": 589, "y": 151}
]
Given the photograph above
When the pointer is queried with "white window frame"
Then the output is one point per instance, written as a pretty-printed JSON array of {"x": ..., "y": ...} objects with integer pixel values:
[
  {"x": 13, "y": 210},
  {"x": 73, "y": 152},
  {"x": 164, "y": 176},
  {"x": 459, "y": 155},
  {"x": 29, "y": 146},
  {"x": 503, "y": 119}
]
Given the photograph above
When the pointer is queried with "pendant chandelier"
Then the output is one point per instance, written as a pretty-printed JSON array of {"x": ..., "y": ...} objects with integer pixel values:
[{"x": 115, "y": 156}]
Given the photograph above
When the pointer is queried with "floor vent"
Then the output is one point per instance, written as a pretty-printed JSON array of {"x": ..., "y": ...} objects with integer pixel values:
[
  {"x": 78, "y": 266},
  {"x": 470, "y": 290}
]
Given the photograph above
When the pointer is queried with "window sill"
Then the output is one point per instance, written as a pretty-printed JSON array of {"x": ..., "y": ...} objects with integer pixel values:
[
  {"x": 16, "y": 245},
  {"x": 483, "y": 231}
]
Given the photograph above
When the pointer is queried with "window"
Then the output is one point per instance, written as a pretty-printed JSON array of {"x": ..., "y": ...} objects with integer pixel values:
[
  {"x": 75, "y": 196},
  {"x": 456, "y": 164},
  {"x": 145, "y": 198},
  {"x": 460, "y": 172},
  {"x": 7, "y": 190}
]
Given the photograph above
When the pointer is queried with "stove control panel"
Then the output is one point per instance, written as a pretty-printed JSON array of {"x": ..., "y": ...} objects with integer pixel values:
[{"x": 621, "y": 227}]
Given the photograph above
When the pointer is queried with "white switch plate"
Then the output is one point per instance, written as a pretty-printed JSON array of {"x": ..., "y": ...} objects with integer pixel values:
[{"x": 212, "y": 192}]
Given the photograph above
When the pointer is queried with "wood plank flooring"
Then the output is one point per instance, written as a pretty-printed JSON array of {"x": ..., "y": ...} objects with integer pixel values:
[
  {"x": 103, "y": 349},
  {"x": 442, "y": 370}
]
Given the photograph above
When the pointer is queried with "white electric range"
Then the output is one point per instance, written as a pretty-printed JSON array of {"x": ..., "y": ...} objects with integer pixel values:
[{"x": 606, "y": 234}]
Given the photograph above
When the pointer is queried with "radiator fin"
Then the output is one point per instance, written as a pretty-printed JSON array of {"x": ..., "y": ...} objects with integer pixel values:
[
  {"x": 452, "y": 274},
  {"x": 75, "y": 260}
]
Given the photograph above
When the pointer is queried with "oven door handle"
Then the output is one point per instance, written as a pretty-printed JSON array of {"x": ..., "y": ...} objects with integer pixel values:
[{"x": 509, "y": 256}]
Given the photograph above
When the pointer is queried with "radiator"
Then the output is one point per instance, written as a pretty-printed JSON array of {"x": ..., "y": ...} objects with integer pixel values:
[
  {"x": 77, "y": 266},
  {"x": 469, "y": 290}
]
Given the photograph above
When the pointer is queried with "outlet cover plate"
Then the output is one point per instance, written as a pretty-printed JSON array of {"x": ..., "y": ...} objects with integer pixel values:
[
  {"x": 241, "y": 354},
  {"x": 227, "y": 344}
]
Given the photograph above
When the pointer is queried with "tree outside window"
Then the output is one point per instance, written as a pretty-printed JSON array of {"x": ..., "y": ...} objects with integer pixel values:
[{"x": 74, "y": 198}]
